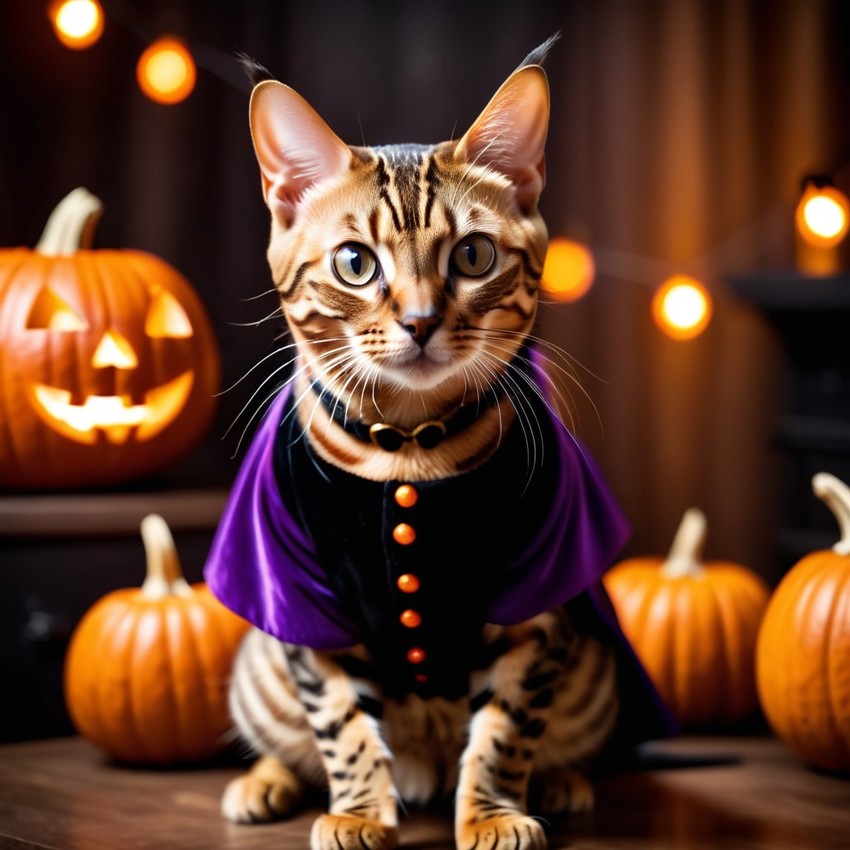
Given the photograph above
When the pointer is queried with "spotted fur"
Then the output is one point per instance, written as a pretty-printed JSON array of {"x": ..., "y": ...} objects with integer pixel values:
[{"x": 416, "y": 341}]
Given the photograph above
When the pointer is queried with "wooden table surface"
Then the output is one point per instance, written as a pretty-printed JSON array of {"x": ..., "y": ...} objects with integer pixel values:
[{"x": 62, "y": 794}]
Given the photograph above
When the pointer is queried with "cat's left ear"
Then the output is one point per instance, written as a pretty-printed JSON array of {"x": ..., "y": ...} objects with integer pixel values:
[{"x": 510, "y": 134}]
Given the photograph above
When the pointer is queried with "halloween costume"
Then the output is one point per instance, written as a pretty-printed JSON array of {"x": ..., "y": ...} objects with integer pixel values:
[{"x": 321, "y": 558}]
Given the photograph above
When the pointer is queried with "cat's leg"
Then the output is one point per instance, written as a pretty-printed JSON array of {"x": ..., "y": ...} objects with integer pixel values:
[
  {"x": 515, "y": 696},
  {"x": 270, "y": 717},
  {"x": 362, "y": 813},
  {"x": 582, "y": 719}
]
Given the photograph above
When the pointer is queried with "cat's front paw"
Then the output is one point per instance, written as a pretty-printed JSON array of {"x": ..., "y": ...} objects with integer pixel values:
[
  {"x": 347, "y": 832},
  {"x": 502, "y": 832},
  {"x": 268, "y": 792}
]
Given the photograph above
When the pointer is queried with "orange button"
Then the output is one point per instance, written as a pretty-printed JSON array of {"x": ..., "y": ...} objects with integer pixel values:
[
  {"x": 410, "y": 618},
  {"x": 404, "y": 534},
  {"x": 406, "y": 496},
  {"x": 408, "y": 583},
  {"x": 416, "y": 655}
]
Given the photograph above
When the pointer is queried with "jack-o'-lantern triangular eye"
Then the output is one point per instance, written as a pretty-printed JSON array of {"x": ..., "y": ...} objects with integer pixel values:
[
  {"x": 166, "y": 317},
  {"x": 49, "y": 312}
]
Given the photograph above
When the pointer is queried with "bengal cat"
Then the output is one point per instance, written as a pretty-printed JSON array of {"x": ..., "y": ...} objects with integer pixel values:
[{"x": 414, "y": 531}]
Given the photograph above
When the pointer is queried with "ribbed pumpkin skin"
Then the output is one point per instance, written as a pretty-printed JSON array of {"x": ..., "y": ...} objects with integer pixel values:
[
  {"x": 108, "y": 290},
  {"x": 146, "y": 680},
  {"x": 695, "y": 636},
  {"x": 803, "y": 660}
]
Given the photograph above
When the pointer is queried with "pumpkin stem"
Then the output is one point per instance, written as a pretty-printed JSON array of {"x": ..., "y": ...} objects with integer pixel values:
[
  {"x": 685, "y": 558},
  {"x": 71, "y": 225},
  {"x": 164, "y": 577},
  {"x": 836, "y": 494}
]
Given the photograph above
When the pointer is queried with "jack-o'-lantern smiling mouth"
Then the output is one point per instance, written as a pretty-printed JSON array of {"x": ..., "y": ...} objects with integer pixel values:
[{"x": 115, "y": 416}]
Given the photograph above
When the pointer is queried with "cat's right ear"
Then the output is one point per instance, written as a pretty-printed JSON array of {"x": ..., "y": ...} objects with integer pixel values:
[{"x": 296, "y": 150}]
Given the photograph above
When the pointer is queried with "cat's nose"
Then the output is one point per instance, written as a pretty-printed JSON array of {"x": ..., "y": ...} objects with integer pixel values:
[{"x": 421, "y": 327}]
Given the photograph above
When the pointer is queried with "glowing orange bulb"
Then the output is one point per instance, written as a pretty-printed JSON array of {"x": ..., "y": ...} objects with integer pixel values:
[
  {"x": 822, "y": 215},
  {"x": 681, "y": 307},
  {"x": 78, "y": 24},
  {"x": 568, "y": 271},
  {"x": 166, "y": 71}
]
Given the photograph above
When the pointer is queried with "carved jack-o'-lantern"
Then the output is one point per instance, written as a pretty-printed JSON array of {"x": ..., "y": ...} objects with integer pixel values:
[{"x": 108, "y": 364}]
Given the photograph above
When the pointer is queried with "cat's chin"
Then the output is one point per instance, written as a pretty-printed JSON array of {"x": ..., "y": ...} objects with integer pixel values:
[{"x": 422, "y": 372}]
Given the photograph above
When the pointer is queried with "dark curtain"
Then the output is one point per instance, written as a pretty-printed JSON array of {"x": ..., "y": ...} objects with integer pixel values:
[{"x": 680, "y": 131}]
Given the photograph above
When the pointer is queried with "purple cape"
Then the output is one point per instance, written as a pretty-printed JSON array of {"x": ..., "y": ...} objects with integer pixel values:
[{"x": 263, "y": 565}]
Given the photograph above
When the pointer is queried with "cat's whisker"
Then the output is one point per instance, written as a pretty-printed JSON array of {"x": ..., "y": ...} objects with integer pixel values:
[
  {"x": 355, "y": 367},
  {"x": 268, "y": 356},
  {"x": 260, "y": 295},
  {"x": 331, "y": 370},
  {"x": 568, "y": 373},
  {"x": 479, "y": 392},
  {"x": 276, "y": 312},
  {"x": 256, "y": 392},
  {"x": 506, "y": 377},
  {"x": 496, "y": 381},
  {"x": 554, "y": 387},
  {"x": 265, "y": 402},
  {"x": 264, "y": 382}
]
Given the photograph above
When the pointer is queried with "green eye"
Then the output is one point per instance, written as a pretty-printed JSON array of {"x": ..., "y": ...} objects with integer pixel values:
[
  {"x": 473, "y": 256},
  {"x": 354, "y": 264}
]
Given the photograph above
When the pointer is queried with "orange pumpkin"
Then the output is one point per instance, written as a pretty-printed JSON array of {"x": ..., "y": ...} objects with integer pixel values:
[
  {"x": 108, "y": 362},
  {"x": 693, "y": 626},
  {"x": 147, "y": 668},
  {"x": 803, "y": 655}
]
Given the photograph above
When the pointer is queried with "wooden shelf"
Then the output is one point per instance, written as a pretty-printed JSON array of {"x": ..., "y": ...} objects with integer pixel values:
[{"x": 98, "y": 514}]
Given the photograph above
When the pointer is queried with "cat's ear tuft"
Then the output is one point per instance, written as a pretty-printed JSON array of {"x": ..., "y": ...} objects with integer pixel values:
[
  {"x": 509, "y": 136},
  {"x": 295, "y": 148},
  {"x": 254, "y": 71}
]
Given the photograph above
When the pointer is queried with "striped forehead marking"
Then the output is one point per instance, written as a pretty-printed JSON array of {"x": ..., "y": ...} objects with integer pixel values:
[{"x": 406, "y": 175}]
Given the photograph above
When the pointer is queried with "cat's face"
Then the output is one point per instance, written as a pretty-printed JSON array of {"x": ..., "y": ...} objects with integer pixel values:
[{"x": 406, "y": 268}]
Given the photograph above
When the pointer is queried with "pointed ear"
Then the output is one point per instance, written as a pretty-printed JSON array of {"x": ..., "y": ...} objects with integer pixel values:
[
  {"x": 510, "y": 134},
  {"x": 295, "y": 148}
]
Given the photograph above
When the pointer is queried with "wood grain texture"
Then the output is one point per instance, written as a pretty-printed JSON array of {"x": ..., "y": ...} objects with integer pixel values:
[
  {"x": 698, "y": 794},
  {"x": 92, "y": 514}
]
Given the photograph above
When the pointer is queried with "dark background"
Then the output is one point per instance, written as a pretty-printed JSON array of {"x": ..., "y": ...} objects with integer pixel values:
[{"x": 680, "y": 132}]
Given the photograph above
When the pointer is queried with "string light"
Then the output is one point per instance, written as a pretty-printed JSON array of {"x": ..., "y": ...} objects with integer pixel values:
[
  {"x": 166, "y": 71},
  {"x": 78, "y": 24},
  {"x": 568, "y": 271},
  {"x": 822, "y": 214},
  {"x": 682, "y": 307}
]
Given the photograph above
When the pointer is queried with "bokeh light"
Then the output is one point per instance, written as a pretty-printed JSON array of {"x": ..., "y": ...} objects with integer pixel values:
[
  {"x": 822, "y": 215},
  {"x": 568, "y": 271},
  {"x": 166, "y": 71},
  {"x": 682, "y": 307},
  {"x": 78, "y": 24}
]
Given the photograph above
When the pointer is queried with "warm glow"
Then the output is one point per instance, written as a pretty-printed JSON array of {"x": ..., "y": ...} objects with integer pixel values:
[
  {"x": 166, "y": 318},
  {"x": 114, "y": 350},
  {"x": 115, "y": 415},
  {"x": 822, "y": 215},
  {"x": 681, "y": 307},
  {"x": 568, "y": 271},
  {"x": 49, "y": 312},
  {"x": 77, "y": 23},
  {"x": 166, "y": 71}
]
